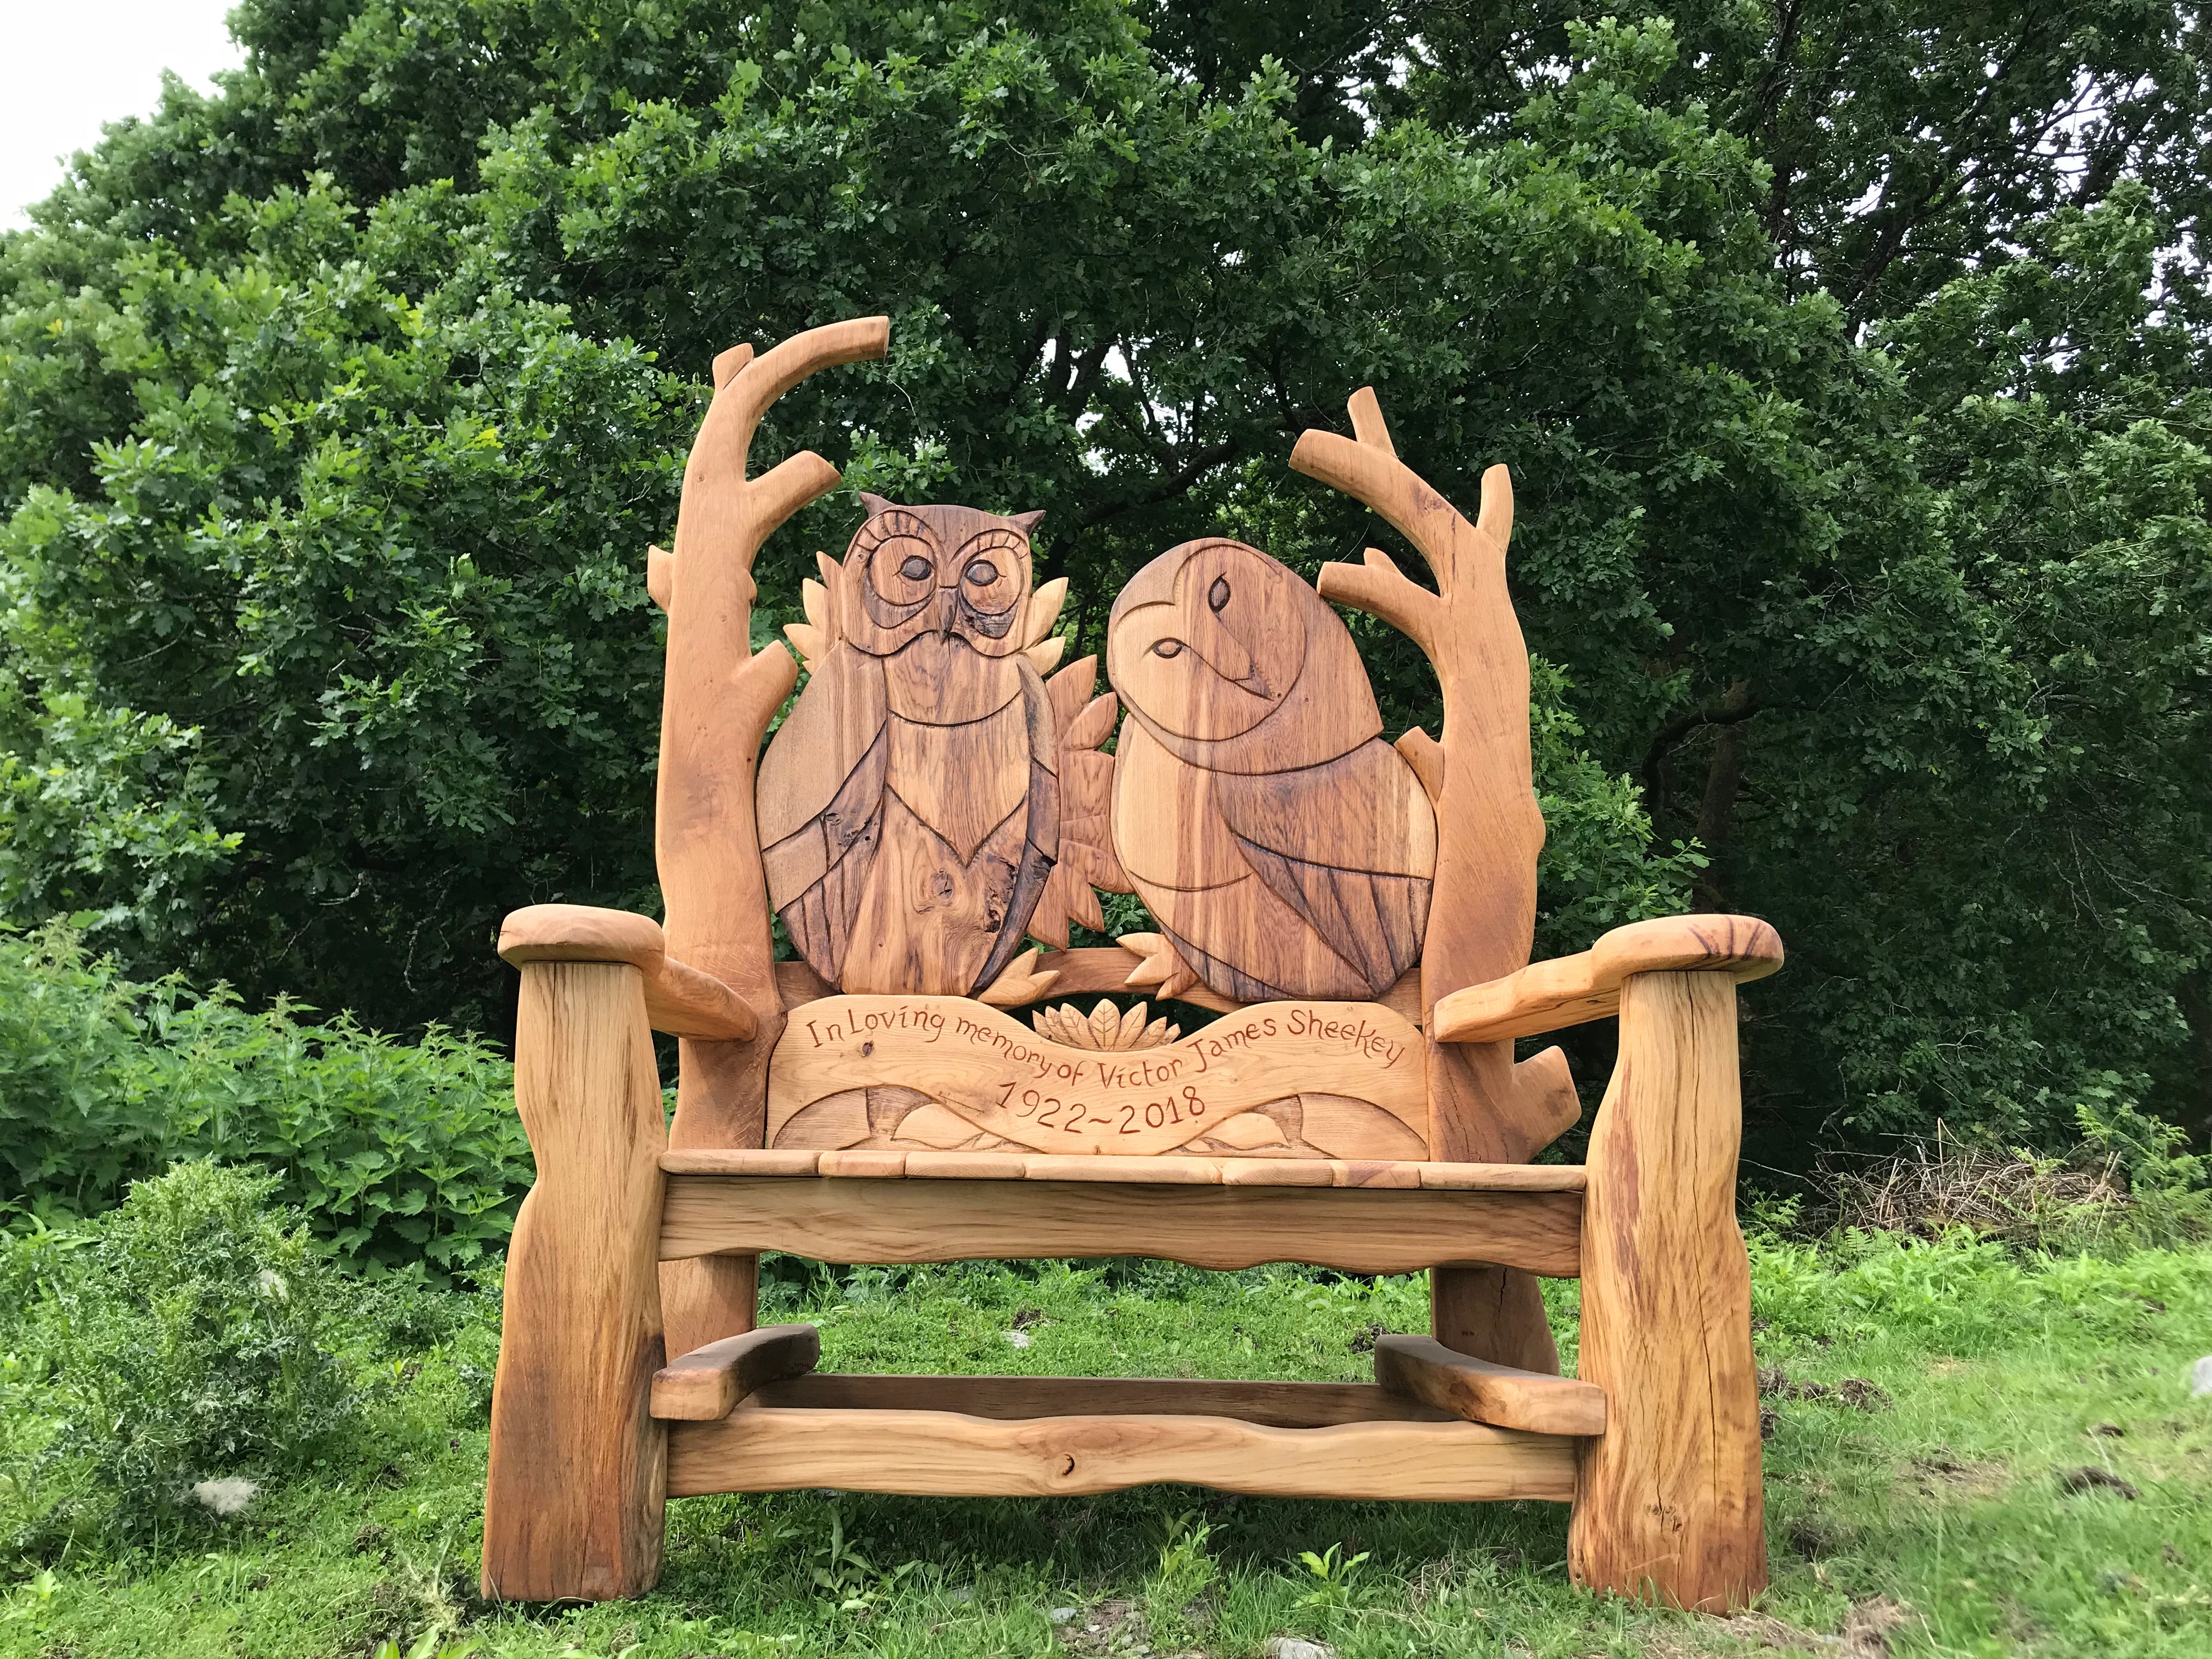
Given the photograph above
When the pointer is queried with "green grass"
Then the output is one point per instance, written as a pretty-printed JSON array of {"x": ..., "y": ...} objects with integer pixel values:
[{"x": 1946, "y": 1500}]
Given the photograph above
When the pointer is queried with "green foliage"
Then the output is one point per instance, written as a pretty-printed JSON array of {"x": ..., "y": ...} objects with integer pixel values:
[
  {"x": 404, "y": 1156},
  {"x": 1856, "y": 399},
  {"x": 187, "y": 1341},
  {"x": 2003, "y": 1371}
]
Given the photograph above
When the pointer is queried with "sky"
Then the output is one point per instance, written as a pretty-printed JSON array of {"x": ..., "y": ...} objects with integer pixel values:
[{"x": 70, "y": 66}]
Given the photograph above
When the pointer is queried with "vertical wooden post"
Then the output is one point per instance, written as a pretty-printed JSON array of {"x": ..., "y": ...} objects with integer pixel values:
[
  {"x": 574, "y": 1499},
  {"x": 716, "y": 704},
  {"x": 1668, "y": 1505}
]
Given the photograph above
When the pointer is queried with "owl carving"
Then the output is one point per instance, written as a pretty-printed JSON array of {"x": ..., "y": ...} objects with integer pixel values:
[
  {"x": 1285, "y": 848},
  {"x": 909, "y": 804}
]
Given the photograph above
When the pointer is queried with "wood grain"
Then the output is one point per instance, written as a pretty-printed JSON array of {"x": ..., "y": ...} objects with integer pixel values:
[
  {"x": 1483, "y": 906},
  {"x": 704, "y": 1385},
  {"x": 784, "y": 1449},
  {"x": 1571, "y": 990},
  {"x": 572, "y": 1497},
  {"x": 1172, "y": 1170},
  {"x": 1352, "y": 1229},
  {"x": 1669, "y": 1506},
  {"x": 717, "y": 700},
  {"x": 679, "y": 999},
  {"x": 1283, "y": 1405},
  {"x": 909, "y": 803},
  {"x": 1482, "y": 1392},
  {"x": 1283, "y": 848},
  {"x": 1010, "y": 1083}
]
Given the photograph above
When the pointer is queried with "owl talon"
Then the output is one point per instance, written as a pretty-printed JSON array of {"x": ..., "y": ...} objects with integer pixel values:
[
  {"x": 1161, "y": 966},
  {"x": 1020, "y": 983}
]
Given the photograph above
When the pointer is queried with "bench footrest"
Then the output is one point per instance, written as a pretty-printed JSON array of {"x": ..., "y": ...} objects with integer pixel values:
[{"x": 1369, "y": 1443}]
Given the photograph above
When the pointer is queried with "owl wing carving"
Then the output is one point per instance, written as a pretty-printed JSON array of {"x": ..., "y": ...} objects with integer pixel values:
[
  {"x": 821, "y": 796},
  {"x": 1350, "y": 844}
]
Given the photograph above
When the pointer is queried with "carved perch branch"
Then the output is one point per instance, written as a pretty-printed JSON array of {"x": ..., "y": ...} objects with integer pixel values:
[{"x": 717, "y": 703}]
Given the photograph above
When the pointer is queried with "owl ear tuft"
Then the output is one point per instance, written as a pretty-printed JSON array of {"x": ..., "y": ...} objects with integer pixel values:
[
  {"x": 1025, "y": 521},
  {"x": 875, "y": 504}
]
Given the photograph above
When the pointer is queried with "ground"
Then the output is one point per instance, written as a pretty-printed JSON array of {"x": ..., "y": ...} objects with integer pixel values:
[{"x": 1970, "y": 1455}]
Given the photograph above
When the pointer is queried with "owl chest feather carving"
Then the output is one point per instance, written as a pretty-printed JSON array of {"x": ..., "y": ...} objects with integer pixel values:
[
  {"x": 1283, "y": 848},
  {"x": 910, "y": 805}
]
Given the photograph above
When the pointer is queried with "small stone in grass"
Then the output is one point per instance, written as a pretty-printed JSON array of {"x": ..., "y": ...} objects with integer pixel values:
[
  {"x": 2090, "y": 1478},
  {"x": 1018, "y": 1338},
  {"x": 1292, "y": 1647},
  {"x": 225, "y": 1497},
  {"x": 2200, "y": 1378},
  {"x": 1062, "y": 1615}
]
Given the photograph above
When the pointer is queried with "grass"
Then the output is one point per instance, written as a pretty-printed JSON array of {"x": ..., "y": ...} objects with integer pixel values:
[{"x": 1928, "y": 1517}]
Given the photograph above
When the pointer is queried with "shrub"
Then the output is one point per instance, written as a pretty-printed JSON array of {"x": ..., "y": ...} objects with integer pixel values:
[
  {"x": 189, "y": 1340},
  {"x": 400, "y": 1153}
]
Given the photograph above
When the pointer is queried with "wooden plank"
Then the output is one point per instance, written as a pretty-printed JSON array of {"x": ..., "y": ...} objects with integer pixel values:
[
  {"x": 1670, "y": 1506},
  {"x": 1572, "y": 990},
  {"x": 1285, "y": 1405},
  {"x": 1355, "y": 1229},
  {"x": 1179, "y": 1171},
  {"x": 1482, "y": 1392},
  {"x": 944, "y": 1454},
  {"x": 1354, "y": 1072},
  {"x": 1286, "y": 849},
  {"x": 705, "y": 1384},
  {"x": 573, "y": 1498}
]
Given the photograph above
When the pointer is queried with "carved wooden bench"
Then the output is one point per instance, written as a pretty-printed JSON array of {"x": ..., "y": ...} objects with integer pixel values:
[{"x": 1359, "y": 914}]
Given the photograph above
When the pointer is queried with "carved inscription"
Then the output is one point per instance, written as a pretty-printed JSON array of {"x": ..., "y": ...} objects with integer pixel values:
[{"x": 1267, "y": 1079}]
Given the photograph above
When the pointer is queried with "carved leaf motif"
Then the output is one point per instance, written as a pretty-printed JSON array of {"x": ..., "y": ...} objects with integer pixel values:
[
  {"x": 1105, "y": 1027},
  {"x": 1085, "y": 859}
]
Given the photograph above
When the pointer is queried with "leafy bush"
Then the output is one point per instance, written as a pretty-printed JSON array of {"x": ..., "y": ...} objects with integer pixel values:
[
  {"x": 188, "y": 1340},
  {"x": 399, "y": 1153}
]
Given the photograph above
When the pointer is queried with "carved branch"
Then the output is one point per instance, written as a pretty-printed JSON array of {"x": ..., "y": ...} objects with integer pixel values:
[{"x": 720, "y": 698}]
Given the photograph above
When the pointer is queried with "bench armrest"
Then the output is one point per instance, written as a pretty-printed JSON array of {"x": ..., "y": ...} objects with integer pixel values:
[
  {"x": 1572, "y": 990},
  {"x": 679, "y": 999}
]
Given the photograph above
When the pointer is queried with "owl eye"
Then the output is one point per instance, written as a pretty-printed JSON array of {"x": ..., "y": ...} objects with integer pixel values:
[
  {"x": 916, "y": 568},
  {"x": 1218, "y": 595},
  {"x": 983, "y": 572},
  {"x": 1167, "y": 648}
]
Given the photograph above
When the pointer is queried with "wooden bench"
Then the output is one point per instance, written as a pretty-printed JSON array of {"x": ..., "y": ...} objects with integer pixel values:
[{"x": 1357, "y": 915}]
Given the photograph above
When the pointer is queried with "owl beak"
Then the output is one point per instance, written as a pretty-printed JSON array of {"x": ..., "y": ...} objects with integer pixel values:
[{"x": 948, "y": 606}]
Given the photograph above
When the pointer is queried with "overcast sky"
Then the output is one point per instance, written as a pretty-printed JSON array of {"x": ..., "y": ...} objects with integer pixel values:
[{"x": 67, "y": 67}]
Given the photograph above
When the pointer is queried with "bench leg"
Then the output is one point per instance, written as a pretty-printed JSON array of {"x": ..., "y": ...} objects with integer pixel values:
[
  {"x": 1668, "y": 1503},
  {"x": 578, "y": 1478},
  {"x": 721, "y": 1101},
  {"x": 1495, "y": 1314}
]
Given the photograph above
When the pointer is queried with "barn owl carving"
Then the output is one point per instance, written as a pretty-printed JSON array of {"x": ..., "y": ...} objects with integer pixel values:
[
  {"x": 1286, "y": 849},
  {"x": 909, "y": 804}
]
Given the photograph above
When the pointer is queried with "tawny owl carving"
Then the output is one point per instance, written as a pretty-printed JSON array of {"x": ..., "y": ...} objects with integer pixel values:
[
  {"x": 909, "y": 804},
  {"x": 1286, "y": 849}
]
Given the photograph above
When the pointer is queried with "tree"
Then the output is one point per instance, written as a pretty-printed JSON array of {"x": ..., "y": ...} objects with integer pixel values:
[{"x": 336, "y": 411}]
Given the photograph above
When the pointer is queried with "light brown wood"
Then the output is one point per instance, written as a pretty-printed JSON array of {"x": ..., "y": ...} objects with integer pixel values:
[
  {"x": 1202, "y": 1171},
  {"x": 717, "y": 700},
  {"x": 1086, "y": 859},
  {"x": 1483, "y": 907},
  {"x": 679, "y": 999},
  {"x": 782, "y": 1448},
  {"x": 909, "y": 804},
  {"x": 1669, "y": 1506},
  {"x": 704, "y": 1385},
  {"x": 1283, "y": 848},
  {"x": 1482, "y": 1392},
  {"x": 1283, "y": 1405},
  {"x": 1571, "y": 990},
  {"x": 573, "y": 1498},
  {"x": 1352, "y": 1229},
  {"x": 1493, "y": 1313},
  {"x": 1335, "y": 1080}
]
